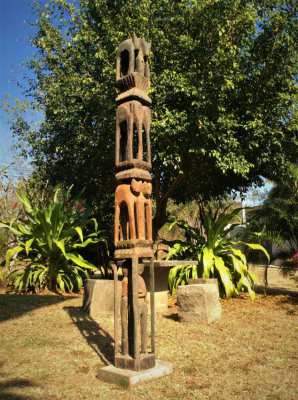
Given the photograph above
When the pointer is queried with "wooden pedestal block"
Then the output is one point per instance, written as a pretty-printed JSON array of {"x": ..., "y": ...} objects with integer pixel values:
[{"x": 144, "y": 361}]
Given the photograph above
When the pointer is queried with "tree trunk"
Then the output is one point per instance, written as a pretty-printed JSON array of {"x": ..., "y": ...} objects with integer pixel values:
[
  {"x": 162, "y": 194},
  {"x": 53, "y": 284},
  {"x": 160, "y": 216}
]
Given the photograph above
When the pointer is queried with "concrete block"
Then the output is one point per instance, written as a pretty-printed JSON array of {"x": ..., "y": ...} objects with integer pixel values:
[
  {"x": 99, "y": 296},
  {"x": 161, "y": 287},
  {"x": 198, "y": 303},
  {"x": 277, "y": 277},
  {"x": 129, "y": 378}
]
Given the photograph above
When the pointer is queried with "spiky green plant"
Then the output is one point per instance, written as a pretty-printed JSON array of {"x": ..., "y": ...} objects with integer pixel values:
[
  {"x": 218, "y": 255},
  {"x": 48, "y": 242}
]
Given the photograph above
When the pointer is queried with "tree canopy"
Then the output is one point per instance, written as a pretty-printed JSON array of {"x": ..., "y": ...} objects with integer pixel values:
[
  {"x": 224, "y": 91},
  {"x": 277, "y": 220}
]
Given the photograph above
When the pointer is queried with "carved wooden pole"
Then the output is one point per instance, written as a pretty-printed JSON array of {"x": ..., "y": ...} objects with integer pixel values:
[{"x": 133, "y": 207}]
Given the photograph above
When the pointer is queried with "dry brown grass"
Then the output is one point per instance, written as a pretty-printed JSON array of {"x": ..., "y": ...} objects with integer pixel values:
[{"x": 50, "y": 350}]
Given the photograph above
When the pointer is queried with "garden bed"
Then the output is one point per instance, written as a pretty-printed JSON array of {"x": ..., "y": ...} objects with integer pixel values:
[{"x": 50, "y": 349}]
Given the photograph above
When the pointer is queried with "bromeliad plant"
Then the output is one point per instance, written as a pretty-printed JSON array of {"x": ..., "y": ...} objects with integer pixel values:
[
  {"x": 218, "y": 255},
  {"x": 49, "y": 242}
]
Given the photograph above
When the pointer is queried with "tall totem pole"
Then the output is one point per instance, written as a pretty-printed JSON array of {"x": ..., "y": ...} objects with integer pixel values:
[{"x": 133, "y": 207}]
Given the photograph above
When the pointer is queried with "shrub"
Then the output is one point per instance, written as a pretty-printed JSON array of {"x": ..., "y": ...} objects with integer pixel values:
[
  {"x": 218, "y": 255},
  {"x": 48, "y": 242}
]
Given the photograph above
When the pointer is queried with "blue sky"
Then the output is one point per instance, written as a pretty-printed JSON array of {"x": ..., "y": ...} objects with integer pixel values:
[{"x": 15, "y": 50}]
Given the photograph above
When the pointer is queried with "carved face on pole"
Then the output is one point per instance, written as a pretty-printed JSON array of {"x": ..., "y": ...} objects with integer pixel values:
[
  {"x": 142, "y": 49},
  {"x": 141, "y": 187}
]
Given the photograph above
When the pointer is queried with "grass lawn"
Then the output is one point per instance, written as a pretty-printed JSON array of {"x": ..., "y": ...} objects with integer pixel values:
[{"x": 50, "y": 350}]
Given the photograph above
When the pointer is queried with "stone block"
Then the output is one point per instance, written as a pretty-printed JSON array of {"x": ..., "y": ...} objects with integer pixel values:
[
  {"x": 198, "y": 303},
  {"x": 99, "y": 296},
  {"x": 161, "y": 300},
  {"x": 161, "y": 287},
  {"x": 277, "y": 277},
  {"x": 125, "y": 377}
]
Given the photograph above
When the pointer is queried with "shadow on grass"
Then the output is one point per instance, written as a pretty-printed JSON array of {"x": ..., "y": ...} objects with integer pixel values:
[
  {"x": 7, "y": 386},
  {"x": 292, "y": 300},
  {"x": 97, "y": 338},
  {"x": 173, "y": 316},
  {"x": 15, "y": 305},
  {"x": 277, "y": 291}
]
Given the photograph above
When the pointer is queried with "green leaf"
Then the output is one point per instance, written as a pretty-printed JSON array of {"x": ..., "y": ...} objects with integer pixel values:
[
  {"x": 238, "y": 265},
  {"x": 79, "y": 231},
  {"x": 176, "y": 250},
  {"x": 256, "y": 246},
  {"x": 10, "y": 253},
  {"x": 48, "y": 214},
  {"x": 25, "y": 201},
  {"x": 225, "y": 276},
  {"x": 28, "y": 245},
  {"x": 172, "y": 225},
  {"x": 244, "y": 282},
  {"x": 253, "y": 277},
  {"x": 60, "y": 244},
  {"x": 5, "y": 226},
  {"x": 208, "y": 262},
  {"x": 79, "y": 260},
  {"x": 79, "y": 281},
  {"x": 68, "y": 282},
  {"x": 60, "y": 283},
  {"x": 11, "y": 228},
  {"x": 56, "y": 194},
  {"x": 95, "y": 224},
  {"x": 194, "y": 272},
  {"x": 238, "y": 253},
  {"x": 86, "y": 243},
  {"x": 18, "y": 281},
  {"x": 173, "y": 276},
  {"x": 23, "y": 228}
]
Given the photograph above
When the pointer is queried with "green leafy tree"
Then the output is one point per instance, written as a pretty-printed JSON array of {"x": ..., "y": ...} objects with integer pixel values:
[
  {"x": 48, "y": 245},
  {"x": 9, "y": 208},
  {"x": 223, "y": 90},
  {"x": 276, "y": 221},
  {"x": 218, "y": 255}
]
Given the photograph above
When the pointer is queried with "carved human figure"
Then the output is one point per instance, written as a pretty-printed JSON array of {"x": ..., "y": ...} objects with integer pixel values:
[
  {"x": 142, "y": 309},
  {"x": 133, "y": 211},
  {"x": 132, "y": 117},
  {"x": 124, "y": 312}
]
